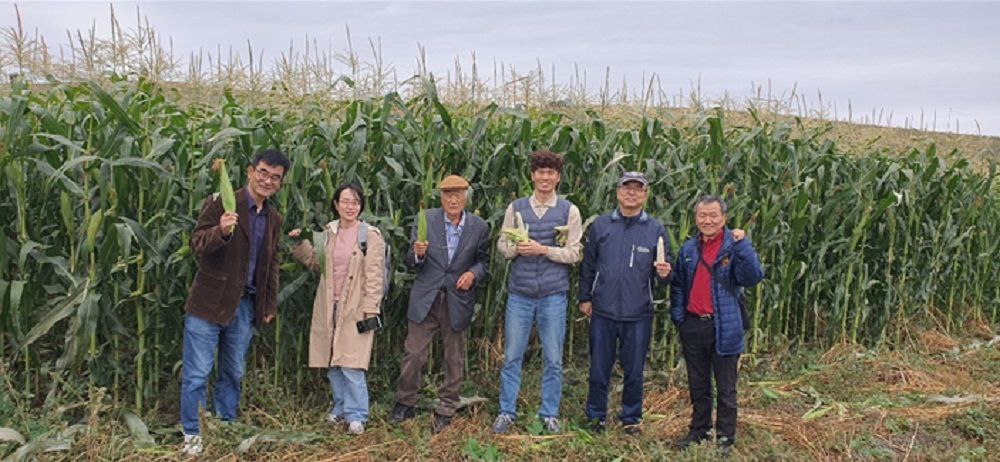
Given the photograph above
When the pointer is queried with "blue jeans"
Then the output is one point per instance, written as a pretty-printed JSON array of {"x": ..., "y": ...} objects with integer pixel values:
[
  {"x": 629, "y": 342},
  {"x": 350, "y": 393},
  {"x": 550, "y": 315},
  {"x": 201, "y": 339}
]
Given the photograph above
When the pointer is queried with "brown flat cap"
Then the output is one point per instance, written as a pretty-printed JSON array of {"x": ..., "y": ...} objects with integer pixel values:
[{"x": 453, "y": 182}]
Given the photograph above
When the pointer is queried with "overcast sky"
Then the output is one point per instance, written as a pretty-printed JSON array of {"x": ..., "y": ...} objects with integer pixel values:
[{"x": 902, "y": 57}]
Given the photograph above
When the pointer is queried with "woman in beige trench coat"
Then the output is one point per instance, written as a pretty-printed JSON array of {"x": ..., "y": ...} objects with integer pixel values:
[{"x": 349, "y": 291}]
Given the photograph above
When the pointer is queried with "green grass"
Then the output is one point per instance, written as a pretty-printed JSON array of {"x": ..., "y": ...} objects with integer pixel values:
[{"x": 871, "y": 416}]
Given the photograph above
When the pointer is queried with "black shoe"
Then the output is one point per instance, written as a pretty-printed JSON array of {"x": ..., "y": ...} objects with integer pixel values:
[
  {"x": 597, "y": 426},
  {"x": 725, "y": 446},
  {"x": 401, "y": 412},
  {"x": 689, "y": 440},
  {"x": 440, "y": 423},
  {"x": 632, "y": 429}
]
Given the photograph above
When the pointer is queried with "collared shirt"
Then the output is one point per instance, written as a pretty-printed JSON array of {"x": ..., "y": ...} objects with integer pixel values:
[
  {"x": 258, "y": 226},
  {"x": 700, "y": 300},
  {"x": 453, "y": 233},
  {"x": 569, "y": 253}
]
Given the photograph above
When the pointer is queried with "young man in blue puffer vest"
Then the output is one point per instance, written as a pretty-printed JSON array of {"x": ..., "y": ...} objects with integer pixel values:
[
  {"x": 617, "y": 276},
  {"x": 706, "y": 298},
  {"x": 539, "y": 281}
]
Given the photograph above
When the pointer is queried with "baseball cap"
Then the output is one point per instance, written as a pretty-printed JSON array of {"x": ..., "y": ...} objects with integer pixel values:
[{"x": 633, "y": 176}]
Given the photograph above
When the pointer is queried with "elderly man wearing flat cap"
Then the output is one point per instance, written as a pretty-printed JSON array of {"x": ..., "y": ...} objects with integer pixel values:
[
  {"x": 617, "y": 276},
  {"x": 450, "y": 266}
]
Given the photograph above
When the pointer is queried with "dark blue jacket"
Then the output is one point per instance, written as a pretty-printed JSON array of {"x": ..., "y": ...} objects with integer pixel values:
[
  {"x": 737, "y": 266},
  {"x": 617, "y": 271}
]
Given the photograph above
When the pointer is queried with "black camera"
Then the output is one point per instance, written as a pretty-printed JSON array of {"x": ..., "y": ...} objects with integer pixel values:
[{"x": 371, "y": 324}]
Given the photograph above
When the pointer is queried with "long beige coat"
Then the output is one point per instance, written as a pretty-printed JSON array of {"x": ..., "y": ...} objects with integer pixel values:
[{"x": 361, "y": 295}]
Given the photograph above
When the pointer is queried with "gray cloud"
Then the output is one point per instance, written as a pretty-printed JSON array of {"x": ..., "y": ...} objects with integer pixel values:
[{"x": 897, "y": 56}]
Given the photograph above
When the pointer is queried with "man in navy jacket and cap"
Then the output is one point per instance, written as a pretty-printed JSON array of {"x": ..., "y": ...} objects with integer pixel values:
[{"x": 616, "y": 291}]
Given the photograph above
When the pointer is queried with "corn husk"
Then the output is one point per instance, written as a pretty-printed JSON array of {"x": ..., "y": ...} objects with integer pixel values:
[
  {"x": 422, "y": 225},
  {"x": 319, "y": 247},
  {"x": 661, "y": 251},
  {"x": 519, "y": 233},
  {"x": 562, "y": 234},
  {"x": 225, "y": 189},
  {"x": 515, "y": 235},
  {"x": 93, "y": 226}
]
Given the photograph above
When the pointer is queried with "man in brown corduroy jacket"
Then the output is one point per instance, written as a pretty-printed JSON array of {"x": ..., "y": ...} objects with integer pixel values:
[{"x": 236, "y": 288}]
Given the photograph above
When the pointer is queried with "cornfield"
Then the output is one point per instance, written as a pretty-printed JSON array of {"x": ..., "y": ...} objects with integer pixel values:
[{"x": 103, "y": 180}]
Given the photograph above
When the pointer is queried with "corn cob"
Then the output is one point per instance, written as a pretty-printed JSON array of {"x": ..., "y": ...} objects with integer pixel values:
[
  {"x": 422, "y": 225},
  {"x": 319, "y": 247},
  {"x": 562, "y": 233},
  {"x": 661, "y": 252},
  {"x": 520, "y": 231},
  {"x": 96, "y": 220},
  {"x": 225, "y": 188}
]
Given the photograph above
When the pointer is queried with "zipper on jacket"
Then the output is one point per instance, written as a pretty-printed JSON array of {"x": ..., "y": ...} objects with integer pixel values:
[{"x": 593, "y": 286}]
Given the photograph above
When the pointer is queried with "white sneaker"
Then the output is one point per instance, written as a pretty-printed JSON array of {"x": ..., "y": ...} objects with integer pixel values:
[
  {"x": 551, "y": 425},
  {"x": 503, "y": 423},
  {"x": 335, "y": 419},
  {"x": 356, "y": 428},
  {"x": 192, "y": 445}
]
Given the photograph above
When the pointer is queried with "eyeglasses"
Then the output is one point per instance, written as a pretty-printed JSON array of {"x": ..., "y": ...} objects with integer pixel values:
[
  {"x": 264, "y": 175},
  {"x": 349, "y": 203}
]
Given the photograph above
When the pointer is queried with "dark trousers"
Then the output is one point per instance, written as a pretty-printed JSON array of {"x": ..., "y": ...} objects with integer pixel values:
[
  {"x": 418, "y": 340},
  {"x": 629, "y": 342},
  {"x": 698, "y": 343}
]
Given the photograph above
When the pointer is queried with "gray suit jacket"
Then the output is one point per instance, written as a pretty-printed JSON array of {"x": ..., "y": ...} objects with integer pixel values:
[{"x": 435, "y": 273}]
